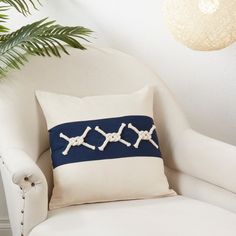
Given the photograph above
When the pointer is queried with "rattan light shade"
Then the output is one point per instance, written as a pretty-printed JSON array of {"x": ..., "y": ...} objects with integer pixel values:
[{"x": 202, "y": 24}]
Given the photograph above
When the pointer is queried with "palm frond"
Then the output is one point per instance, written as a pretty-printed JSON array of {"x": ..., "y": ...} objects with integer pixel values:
[
  {"x": 43, "y": 38},
  {"x": 3, "y": 18},
  {"x": 22, "y": 6}
]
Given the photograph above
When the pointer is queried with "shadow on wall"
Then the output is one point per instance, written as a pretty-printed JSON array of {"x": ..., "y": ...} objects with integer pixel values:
[{"x": 204, "y": 83}]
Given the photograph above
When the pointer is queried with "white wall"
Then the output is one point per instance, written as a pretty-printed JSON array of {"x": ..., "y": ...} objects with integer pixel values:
[{"x": 204, "y": 83}]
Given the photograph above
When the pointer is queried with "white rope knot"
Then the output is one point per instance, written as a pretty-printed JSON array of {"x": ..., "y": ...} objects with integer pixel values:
[
  {"x": 112, "y": 137},
  {"x": 143, "y": 135},
  {"x": 76, "y": 141}
]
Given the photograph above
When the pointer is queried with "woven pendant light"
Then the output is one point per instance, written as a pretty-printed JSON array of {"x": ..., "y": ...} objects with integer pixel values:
[{"x": 202, "y": 24}]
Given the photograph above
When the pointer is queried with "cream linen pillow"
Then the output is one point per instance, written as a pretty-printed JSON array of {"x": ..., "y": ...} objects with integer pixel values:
[{"x": 104, "y": 148}]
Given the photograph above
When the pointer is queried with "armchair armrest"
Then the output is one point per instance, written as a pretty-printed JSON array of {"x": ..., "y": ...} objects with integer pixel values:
[
  {"x": 26, "y": 191},
  {"x": 205, "y": 158}
]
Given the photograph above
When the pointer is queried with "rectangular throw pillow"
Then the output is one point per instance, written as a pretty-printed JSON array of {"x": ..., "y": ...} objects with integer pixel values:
[{"x": 104, "y": 148}]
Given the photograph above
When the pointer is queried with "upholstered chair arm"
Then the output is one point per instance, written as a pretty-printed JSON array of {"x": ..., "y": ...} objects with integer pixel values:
[
  {"x": 205, "y": 158},
  {"x": 26, "y": 191}
]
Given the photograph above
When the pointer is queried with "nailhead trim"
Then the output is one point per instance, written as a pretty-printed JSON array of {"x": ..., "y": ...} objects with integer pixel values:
[
  {"x": 26, "y": 178},
  {"x": 22, "y": 211},
  {"x": 23, "y": 197}
]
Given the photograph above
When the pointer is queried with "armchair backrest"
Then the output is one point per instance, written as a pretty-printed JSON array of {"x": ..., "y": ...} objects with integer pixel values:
[{"x": 91, "y": 72}]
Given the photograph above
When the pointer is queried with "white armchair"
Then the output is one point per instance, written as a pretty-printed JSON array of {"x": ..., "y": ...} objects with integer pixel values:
[{"x": 198, "y": 167}]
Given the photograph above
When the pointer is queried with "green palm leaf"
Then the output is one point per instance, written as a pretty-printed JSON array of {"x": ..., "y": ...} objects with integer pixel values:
[
  {"x": 3, "y": 18},
  {"x": 22, "y": 6},
  {"x": 44, "y": 38}
]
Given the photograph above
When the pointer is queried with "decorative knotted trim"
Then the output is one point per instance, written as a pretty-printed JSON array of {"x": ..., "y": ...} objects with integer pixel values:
[
  {"x": 143, "y": 135},
  {"x": 76, "y": 141},
  {"x": 112, "y": 137}
]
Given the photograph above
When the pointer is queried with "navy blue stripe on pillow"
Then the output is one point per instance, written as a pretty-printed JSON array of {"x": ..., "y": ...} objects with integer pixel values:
[{"x": 60, "y": 133}]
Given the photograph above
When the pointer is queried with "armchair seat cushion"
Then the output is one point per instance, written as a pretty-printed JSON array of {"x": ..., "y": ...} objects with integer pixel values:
[{"x": 173, "y": 216}]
